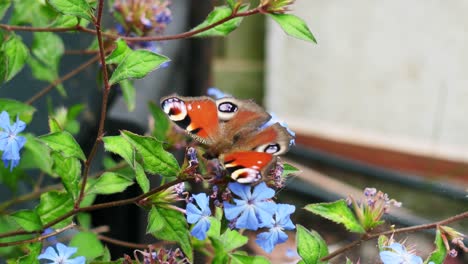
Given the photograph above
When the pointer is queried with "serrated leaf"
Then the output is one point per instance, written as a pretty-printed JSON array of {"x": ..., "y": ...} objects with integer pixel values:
[
  {"x": 218, "y": 14},
  {"x": 141, "y": 178},
  {"x": 129, "y": 94},
  {"x": 288, "y": 169},
  {"x": 34, "y": 12},
  {"x": 45, "y": 73},
  {"x": 65, "y": 21},
  {"x": 54, "y": 125},
  {"x": 69, "y": 170},
  {"x": 64, "y": 143},
  {"x": 53, "y": 205},
  {"x": 16, "y": 108},
  {"x": 161, "y": 122},
  {"x": 34, "y": 250},
  {"x": 337, "y": 212},
  {"x": 16, "y": 53},
  {"x": 237, "y": 258},
  {"x": 4, "y": 5},
  {"x": 79, "y": 8},
  {"x": 310, "y": 245},
  {"x": 156, "y": 159},
  {"x": 121, "y": 147},
  {"x": 36, "y": 155},
  {"x": 109, "y": 183},
  {"x": 294, "y": 26},
  {"x": 28, "y": 220},
  {"x": 440, "y": 253},
  {"x": 168, "y": 224},
  {"x": 88, "y": 245},
  {"x": 119, "y": 53},
  {"x": 136, "y": 65}
]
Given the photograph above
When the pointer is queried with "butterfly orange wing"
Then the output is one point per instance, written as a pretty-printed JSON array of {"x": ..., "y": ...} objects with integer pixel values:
[{"x": 248, "y": 166}]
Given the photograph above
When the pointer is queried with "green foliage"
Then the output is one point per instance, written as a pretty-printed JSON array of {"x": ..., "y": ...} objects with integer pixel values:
[
  {"x": 170, "y": 225},
  {"x": 337, "y": 212},
  {"x": 36, "y": 155},
  {"x": 288, "y": 169},
  {"x": 294, "y": 26},
  {"x": 129, "y": 94},
  {"x": 239, "y": 258},
  {"x": 69, "y": 170},
  {"x": 4, "y": 5},
  {"x": 88, "y": 245},
  {"x": 15, "y": 108},
  {"x": 28, "y": 220},
  {"x": 64, "y": 143},
  {"x": 34, "y": 12},
  {"x": 156, "y": 159},
  {"x": 133, "y": 64},
  {"x": 109, "y": 183},
  {"x": 218, "y": 14},
  {"x": 33, "y": 249},
  {"x": 440, "y": 253},
  {"x": 161, "y": 122},
  {"x": 79, "y": 8},
  {"x": 310, "y": 245},
  {"x": 15, "y": 55},
  {"x": 53, "y": 205}
]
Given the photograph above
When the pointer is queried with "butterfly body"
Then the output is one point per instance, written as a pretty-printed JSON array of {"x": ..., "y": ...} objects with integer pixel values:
[{"x": 232, "y": 130}]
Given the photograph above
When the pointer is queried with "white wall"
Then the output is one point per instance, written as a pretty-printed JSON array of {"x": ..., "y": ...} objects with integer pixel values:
[{"x": 386, "y": 72}]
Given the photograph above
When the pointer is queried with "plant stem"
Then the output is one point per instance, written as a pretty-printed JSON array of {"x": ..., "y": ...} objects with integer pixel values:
[
  {"x": 39, "y": 238},
  {"x": 370, "y": 236}
]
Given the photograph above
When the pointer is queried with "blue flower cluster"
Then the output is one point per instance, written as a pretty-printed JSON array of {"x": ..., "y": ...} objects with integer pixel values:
[
  {"x": 10, "y": 142},
  {"x": 252, "y": 209}
]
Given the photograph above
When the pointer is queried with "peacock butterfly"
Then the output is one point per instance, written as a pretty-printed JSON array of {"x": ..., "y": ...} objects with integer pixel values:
[{"x": 234, "y": 130}]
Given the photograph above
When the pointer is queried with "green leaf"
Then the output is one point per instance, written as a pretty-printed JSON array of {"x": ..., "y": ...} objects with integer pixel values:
[
  {"x": 53, "y": 205},
  {"x": 34, "y": 12},
  {"x": 69, "y": 170},
  {"x": 28, "y": 220},
  {"x": 288, "y": 169},
  {"x": 48, "y": 48},
  {"x": 137, "y": 64},
  {"x": 237, "y": 258},
  {"x": 141, "y": 178},
  {"x": 440, "y": 253},
  {"x": 231, "y": 3},
  {"x": 109, "y": 183},
  {"x": 129, "y": 94},
  {"x": 44, "y": 73},
  {"x": 84, "y": 219},
  {"x": 88, "y": 245},
  {"x": 16, "y": 108},
  {"x": 65, "y": 21},
  {"x": 16, "y": 54},
  {"x": 382, "y": 241},
  {"x": 232, "y": 239},
  {"x": 337, "y": 212},
  {"x": 218, "y": 14},
  {"x": 348, "y": 261},
  {"x": 121, "y": 147},
  {"x": 34, "y": 250},
  {"x": 119, "y": 53},
  {"x": 36, "y": 155},
  {"x": 170, "y": 225},
  {"x": 64, "y": 143},
  {"x": 4, "y": 5},
  {"x": 156, "y": 159},
  {"x": 79, "y": 8},
  {"x": 294, "y": 26},
  {"x": 310, "y": 245},
  {"x": 161, "y": 122},
  {"x": 54, "y": 125},
  {"x": 3, "y": 63}
]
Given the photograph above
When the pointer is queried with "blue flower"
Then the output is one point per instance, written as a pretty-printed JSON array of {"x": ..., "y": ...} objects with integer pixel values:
[
  {"x": 199, "y": 215},
  {"x": 254, "y": 209},
  {"x": 10, "y": 142},
  {"x": 216, "y": 93},
  {"x": 61, "y": 255},
  {"x": 280, "y": 222},
  {"x": 399, "y": 255}
]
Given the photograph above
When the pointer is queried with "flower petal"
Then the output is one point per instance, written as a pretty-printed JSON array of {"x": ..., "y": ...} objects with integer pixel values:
[
  {"x": 193, "y": 213},
  {"x": 232, "y": 211},
  {"x": 389, "y": 257},
  {"x": 77, "y": 260},
  {"x": 248, "y": 220},
  {"x": 262, "y": 192},
  {"x": 398, "y": 248},
  {"x": 203, "y": 203},
  {"x": 49, "y": 253},
  {"x": 200, "y": 229},
  {"x": 65, "y": 251},
  {"x": 266, "y": 240},
  {"x": 241, "y": 190},
  {"x": 5, "y": 121},
  {"x": 18, "y": 126},
  {"x": 416, "y": 260}
]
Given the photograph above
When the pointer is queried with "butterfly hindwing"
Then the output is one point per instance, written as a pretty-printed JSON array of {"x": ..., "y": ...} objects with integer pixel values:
[
  {"x": 248, "y": 166},
  {"x": 197, "y": 115},
  {"x": 274, "y": 139}
]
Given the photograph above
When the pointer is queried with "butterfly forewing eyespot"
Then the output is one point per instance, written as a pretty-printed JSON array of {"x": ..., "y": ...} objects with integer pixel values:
[{"x": 174, "y": 108}]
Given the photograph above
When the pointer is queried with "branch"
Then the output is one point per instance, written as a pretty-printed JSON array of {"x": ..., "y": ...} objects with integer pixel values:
[
  {"x": 75, "y": 211},
  {"x": 129, "y": 244},
  {"x": 370, "y": 236},
  {"x": 186, "y": 34},
  {"x": 39, "y": 238}
]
